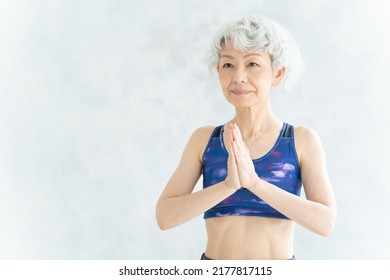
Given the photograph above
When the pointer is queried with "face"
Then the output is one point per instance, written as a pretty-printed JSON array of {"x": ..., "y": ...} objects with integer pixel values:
[{"x": 246, "y": 78}]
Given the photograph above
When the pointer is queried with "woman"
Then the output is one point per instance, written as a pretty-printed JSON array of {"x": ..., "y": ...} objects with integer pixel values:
[{"x": 253, "y": 167}]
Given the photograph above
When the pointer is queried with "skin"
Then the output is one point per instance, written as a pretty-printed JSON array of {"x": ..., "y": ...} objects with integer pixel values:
[{"x": 246, "y": 80}]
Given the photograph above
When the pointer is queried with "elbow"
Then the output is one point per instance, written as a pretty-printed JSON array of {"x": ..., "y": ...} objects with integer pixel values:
[
  {"x": 163, "y": 221},
  {"x": 162, "y": 224},
  {"x": 328, "y": 225},
  {"x": 326, "y": 231}
]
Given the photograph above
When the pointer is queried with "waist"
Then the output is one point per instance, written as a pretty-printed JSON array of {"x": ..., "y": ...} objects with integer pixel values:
[{"x": 242, "y": 237}]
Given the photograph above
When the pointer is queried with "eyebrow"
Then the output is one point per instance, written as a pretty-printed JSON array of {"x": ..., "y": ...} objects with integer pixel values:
[{"x": 245, "y": 56}]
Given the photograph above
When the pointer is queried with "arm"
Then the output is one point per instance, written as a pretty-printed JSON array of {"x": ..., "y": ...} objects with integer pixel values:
[
  {"x": 318, "y": 211},
  {"x": 177, "y": 204}
]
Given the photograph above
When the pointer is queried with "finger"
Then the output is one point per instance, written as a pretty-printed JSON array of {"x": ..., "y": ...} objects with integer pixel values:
[
  {"x": 241, "y": 145},
  {"x": 237, "y": 134},
  {"x": 244, "y": 147},
  {"x": 248, "y": 154},
  {"x": 232, "y": 160},
  {"x": 233, "y": 156},
  {"x": 237, "y": 153},
  {"x": 233, "y": 176},
  {"x": 234, "y": 132},
  {"x": 229, "y": 146},
  {"x": 231, "y": 132}
]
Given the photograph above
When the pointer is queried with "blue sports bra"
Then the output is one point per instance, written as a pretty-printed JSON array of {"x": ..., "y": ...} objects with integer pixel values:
[{"x": 279, "y": 166}]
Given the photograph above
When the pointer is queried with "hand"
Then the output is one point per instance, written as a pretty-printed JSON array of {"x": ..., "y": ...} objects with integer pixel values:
[
  {"x": 243, "y": 161},
  {"x": 232, "y": 180}
]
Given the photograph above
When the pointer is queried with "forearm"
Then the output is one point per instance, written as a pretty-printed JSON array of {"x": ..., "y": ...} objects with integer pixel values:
[
  {"x": 174, "y": 211},
  {"x": 314, "y": 216}
]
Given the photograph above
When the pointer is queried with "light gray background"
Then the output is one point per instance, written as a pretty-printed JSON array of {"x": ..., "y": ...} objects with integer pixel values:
[{"x": 98, "y": 98}]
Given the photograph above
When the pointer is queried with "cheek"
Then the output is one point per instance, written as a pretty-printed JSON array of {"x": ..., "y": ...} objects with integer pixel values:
[
  {"x": 224, "y": 80},
  {"x": 262, "y": 78}
]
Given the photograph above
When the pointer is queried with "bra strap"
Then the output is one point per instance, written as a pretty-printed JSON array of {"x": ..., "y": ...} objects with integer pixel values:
[
  {"x": 288, "y": 131},
  {"x": 216, "y": 132}
]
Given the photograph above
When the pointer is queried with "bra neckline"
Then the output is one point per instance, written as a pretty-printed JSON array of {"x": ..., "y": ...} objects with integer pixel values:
[{"x": 256, "y": 159}]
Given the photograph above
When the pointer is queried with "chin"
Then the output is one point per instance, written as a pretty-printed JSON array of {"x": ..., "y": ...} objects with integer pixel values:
[
  {"x": 241, "y": 106},
  {"x": 241, "y": 103}
]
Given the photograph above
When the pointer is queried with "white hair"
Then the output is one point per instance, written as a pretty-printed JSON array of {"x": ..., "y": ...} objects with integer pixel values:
[{"x": 259, "y": 34}]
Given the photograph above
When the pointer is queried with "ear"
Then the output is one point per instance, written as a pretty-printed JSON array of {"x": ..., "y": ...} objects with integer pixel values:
[{"x": 278, "y": 76}]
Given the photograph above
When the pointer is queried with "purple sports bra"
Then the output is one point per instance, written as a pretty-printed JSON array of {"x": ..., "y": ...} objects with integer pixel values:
[{"x": 279, "y": 167}]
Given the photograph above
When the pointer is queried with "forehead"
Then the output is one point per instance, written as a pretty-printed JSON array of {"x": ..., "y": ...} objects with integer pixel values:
[{"x": 228, "y": 51}]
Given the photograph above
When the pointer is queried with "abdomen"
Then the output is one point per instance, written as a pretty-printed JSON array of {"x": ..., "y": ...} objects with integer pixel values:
[{"x": 243, "y": 237}]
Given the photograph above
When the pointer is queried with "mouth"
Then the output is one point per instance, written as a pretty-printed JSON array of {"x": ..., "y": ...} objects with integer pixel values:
[{"x": 240, "y": 92}]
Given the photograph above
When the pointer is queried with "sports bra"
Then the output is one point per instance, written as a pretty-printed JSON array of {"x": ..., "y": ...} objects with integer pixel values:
[{"x": 280, "y": 167}]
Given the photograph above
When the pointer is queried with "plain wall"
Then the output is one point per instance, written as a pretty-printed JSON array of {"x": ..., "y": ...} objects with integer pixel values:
[{"x": 98, "y": 99}]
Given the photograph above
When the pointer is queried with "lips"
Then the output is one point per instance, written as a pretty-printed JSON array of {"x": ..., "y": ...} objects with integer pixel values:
[{"x": 240, "y": 91}]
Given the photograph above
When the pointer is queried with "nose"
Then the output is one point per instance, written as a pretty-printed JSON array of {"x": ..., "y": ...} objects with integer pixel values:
[{"x": 240, "y": 76}]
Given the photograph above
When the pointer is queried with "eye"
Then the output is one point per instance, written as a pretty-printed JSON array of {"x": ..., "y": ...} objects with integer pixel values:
[
  {"x": 253, "y": 64},
  {"x": 227, "y": 65}
]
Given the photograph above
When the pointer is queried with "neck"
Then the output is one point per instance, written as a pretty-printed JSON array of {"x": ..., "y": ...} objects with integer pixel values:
[{"x": 254, "y": 120}]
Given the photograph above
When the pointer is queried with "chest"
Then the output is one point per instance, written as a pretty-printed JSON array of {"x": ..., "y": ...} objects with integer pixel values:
[{"x": 259, "y": 146}]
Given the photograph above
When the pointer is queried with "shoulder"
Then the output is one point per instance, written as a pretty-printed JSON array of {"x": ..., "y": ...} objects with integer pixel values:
[
  {"x": 203, "y": 132},
  {"x": 307, "y": 142},
  {"x": 199, "y": 139},
  {"x": 304, "y": 133}
]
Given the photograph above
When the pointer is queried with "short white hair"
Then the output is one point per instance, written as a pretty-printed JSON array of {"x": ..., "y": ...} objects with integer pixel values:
[{"x": 256, "y": 33}]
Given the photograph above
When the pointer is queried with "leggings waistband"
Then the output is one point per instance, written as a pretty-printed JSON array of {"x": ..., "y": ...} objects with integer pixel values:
[{"x": 205, "y": 258}]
